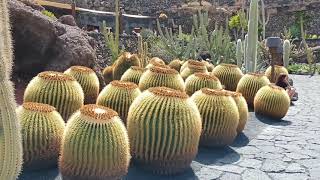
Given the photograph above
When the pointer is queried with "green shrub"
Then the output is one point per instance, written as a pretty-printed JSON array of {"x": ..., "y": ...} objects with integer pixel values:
[{"x": 49, "y": 14}]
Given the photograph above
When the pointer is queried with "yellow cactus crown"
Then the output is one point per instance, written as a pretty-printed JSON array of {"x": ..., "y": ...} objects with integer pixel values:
[
  {"x": 168, "y": 92},
  {"x": 39, "y": 107},
  {"x": 124, "y": 84},
  {"x": 55, "y": 76}
]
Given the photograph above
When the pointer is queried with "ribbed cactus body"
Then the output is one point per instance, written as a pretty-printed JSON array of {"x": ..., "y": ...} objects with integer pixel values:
[
  {"x": 88, "y": 80},
  {"x": 229, "y": 75},
  {"x": 123, "y": 63},
  {"x": 107, "y": 74},
  {"x": 198, "y": 81},
  {"x": 192, "y": 67},
  {"x": 164, "y": 128},
  {"x": 250, "y": 84},
  {"x": 239, "y": 53},
  {"x": 220, "y": 117},
  {"x": 286, "y": 53},
  {"x": 119, "y": 95},
  {"x": 59, "y": 90},
  {"x": 133, "y": 74},
  {"x": 156, "y": 62},
  {"x": 175, "y": 64},
  {"x": 42, "y": 131},
  {"x": 158, "y": 76},
  {"x": 277, "y": 71},
  {"x": 272, "y": 101},
  {"x": 209, "y": 66},
  {"x": 95, "y": 145}
]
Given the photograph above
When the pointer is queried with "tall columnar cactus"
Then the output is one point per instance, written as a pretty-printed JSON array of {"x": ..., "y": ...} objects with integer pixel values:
[
  {"x": 229, "y": 75},
  {"x": 155, "y": 61},
  {"x": 88, "y": 80},
  {"x": 123, "y": 63},
  {"x": 251, "y": 55},
  {"x": 175, "y": 64},
  {"x": 10, "y": 136},
  {"x": 192, "y": 67},
  {"x": 42, "y": 132},
  {"x": 286, "y": 53},
  {"x": 59, "y": 90},
  {"x": 277, "y": 71},
  {"x": 133, "y": 74},
  {"x": 250, "y": 84},
  {"x": 239, "y": 53},
  {"x": 143, "y": 52},
  {"x": 220, "y": 117},
  {"x": 158, "y": 76},
  {"x": 95, "y": 145},
  {"x": 245, "y": 44},
  {"x": 164, "y": 128},
  {"x": 272, "y": 101},
  {"x": 107, "y": 74},
  {"x": 119, "y": 95},
  {"x": 198, "y": 81}
]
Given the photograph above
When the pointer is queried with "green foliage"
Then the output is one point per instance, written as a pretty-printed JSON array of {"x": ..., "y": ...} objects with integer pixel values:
[
  {"x": 111, "y": 42},
  {"x": 49, "y": 14}
]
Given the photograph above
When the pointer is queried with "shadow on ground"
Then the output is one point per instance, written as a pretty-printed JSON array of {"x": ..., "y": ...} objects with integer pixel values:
[{"x": 271, "y": 121}]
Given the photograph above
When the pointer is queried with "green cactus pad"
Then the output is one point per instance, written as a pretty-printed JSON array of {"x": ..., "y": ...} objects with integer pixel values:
[
  {"x": 164, "y": 128},
  {"x": 220, "y": 117},
  {"x": 229, "y": 75},
  {"x": 123, "y": 63},
  {"x": 158, "y": 76},
  {"x": 277, "y": 71},
  {"x": 272, "y": 101},
  {"x": 42, "y": 131},
  {"x": 119, "y": 95},
  {"x": 133, "y": 74},
  {"x": 107, "y": 74},
  {"x": 192, "y": 67},
  {"x": 95, "y": 145},
  {"x": 88, "y": 80},
  {"x": 198, "y": 81},
  {"x": 59, "y": 90}
]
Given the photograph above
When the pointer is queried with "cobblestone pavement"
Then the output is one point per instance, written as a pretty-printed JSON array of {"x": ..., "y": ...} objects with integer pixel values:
[{"x": 279, "y": 150}]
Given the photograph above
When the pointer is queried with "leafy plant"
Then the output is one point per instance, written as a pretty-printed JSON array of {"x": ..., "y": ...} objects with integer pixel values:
[
  {"x": 111, "y": 42},
  {"x": 49, "y": 14}
]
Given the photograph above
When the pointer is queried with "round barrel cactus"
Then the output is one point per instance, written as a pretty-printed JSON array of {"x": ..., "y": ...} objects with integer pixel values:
[
  {"x": 209, "y": 66},
  {"x": 88, "y": 80},
  {"x": 229, "y": 75},
  {"x": 156, "y": 62},
  {"x": 220, "y": 117},
  {"x": 192, "y": 67},
  {"x": 123, "y": 63},
  {"x": 198, "y": 81},
  {"x": 272, "y": 101},
  {"x": 95, "y": 145},
  {"x": 133, "y": 74},
  {"x": 119, "y": 95},
  {"x": 164, "y": 128},
  {"x": 250, "y": 84},
  {"x": 158, "y": 76},
  {"x": 59, "y": 90},
  {"x": 42, "y": 130},
  {"x": 175, "y": 64},
  {"x": 107, "y": 74},
  {"x": 277, "y": 71}
]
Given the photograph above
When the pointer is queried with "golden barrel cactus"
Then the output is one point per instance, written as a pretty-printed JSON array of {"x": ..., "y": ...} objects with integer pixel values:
[
  {"x": 158, "y": 76},
  {"x": 107, "y": 74},
  {"x": 156, "y": 62},
  {"x": 95, "y": 145},
  {"x": 192, "y": 67},
  {"x": 59, "y": 90},
  {"x": 277, "y": 71},
  {"x": 198, "y": 81},
  {"x": 272, "y": 101},
  {"x": 250, "y": 84},
  {"x": 123, "y": 63},
  {"x": 42, "y": 130},
  {"x": 88, "y": 80},
  {"x": 229, "y": 75},
  {"x": 164, "y": 128},
  {"x": 220, "y": 117},
  {"x": 175, "y": 64},
  {"x": 119, "y": 95},
  {"x": 133, "y": 74},
  {"x": 209, "y": 65}
]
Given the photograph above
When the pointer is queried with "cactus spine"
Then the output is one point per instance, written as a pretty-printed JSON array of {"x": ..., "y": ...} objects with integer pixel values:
[
  {"x": 277, "y": 71},
  {"x": 133, "y": 74},
  {"x": 164, "y": 128},
  {"x": 107, "y": 74},
  {"x": 251, "y": 55},
  {"x": 198, "y": 81},
  {"x": 175, "y": 64},
  {"x": 88, "y": 80},
  {"x": 42, "y": 131},
  {"x": 95, "y": 145},
  {"x": 229, "y": 75},
  {"x": 239, "y": 53},
  {"x": 123, "y": 63},
  {"x": 155, "y": 61},
  {"x": 191, "y": 67},
  {"x": 286, "y": 53}
]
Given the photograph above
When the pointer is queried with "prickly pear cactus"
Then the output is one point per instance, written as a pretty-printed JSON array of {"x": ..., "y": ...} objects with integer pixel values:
[
  {"x": 95, "y": 145},
  {"x": 107, "y": 74},
  {"x": 133, "y": 74},
  {"x": 164, "y": 128},
  {"x": 229, "y": 75},
  {"x": 277, "y": 71},
  {"x": 198, "y": 81},
  {"x": 123, "y": 63},
  {"x": 42, "y": 131}
]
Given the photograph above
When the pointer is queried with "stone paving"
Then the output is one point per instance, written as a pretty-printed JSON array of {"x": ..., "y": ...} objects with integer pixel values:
[{"x": 279, "y": 150}]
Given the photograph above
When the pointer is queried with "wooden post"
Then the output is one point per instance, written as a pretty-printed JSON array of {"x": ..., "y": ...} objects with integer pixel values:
[{"x": 73, "y": 8}]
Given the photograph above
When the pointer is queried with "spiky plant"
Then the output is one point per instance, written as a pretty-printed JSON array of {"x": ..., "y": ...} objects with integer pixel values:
[
  {"x": 250, "y": 84},
  {"x": 88, "y": 80},
  {"x": 277, "y": 71},
  {"x": 155, "y": 62},
  {"x": 133, "y": 74},
  {"x": 59, "y": 90},
  {"x": 229, "y": 75},
  {"x": 193, "y": 67},
  {"x": 10, "y": 136},
  {"x": 198, "y": 81},
  {"x": 42, "y": 132},
  {"x": 107, "y": 74},
  {"x": 220, "y": 117},
  {"x": 175, "y": 64},
  {"x": 158, "y": 76},
  {"x": 119, "y": 95},
  {"x": 272, "y": 101},
  {"x": 209, "y": 66},
  {"x": 95, "y": 145},
  {"x": 123, "y": 63},
  {"x": 164, "y": 128}
]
